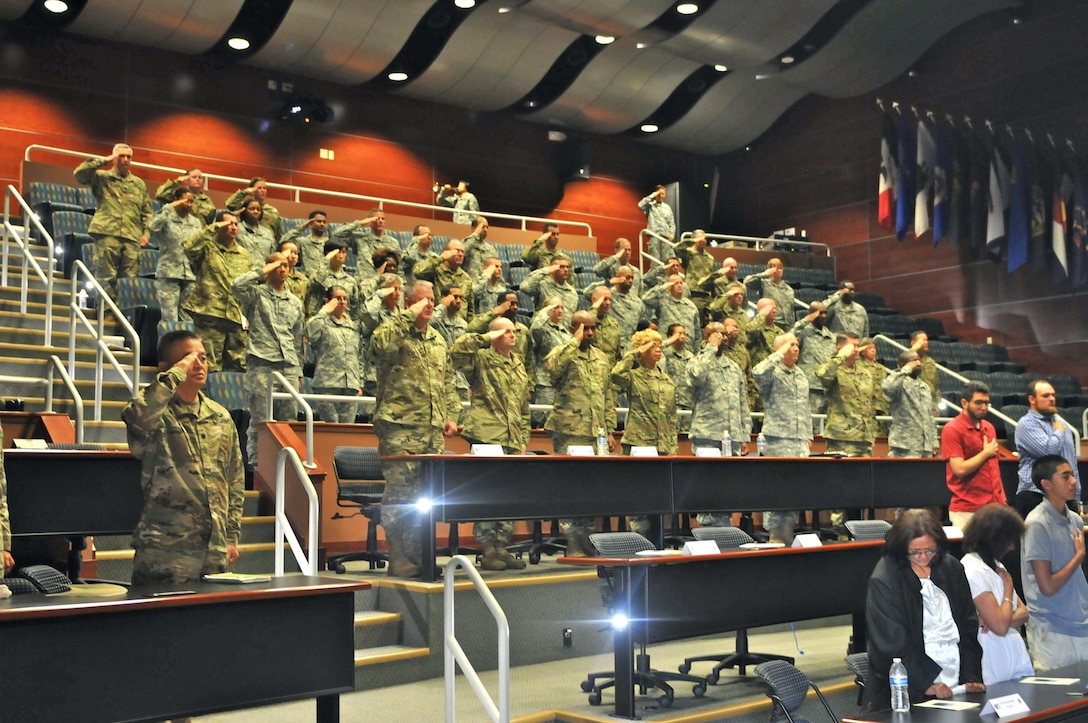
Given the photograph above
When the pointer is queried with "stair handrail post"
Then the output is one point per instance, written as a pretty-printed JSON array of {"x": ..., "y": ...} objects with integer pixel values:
[
  {"x": 292, "y": 393},
  {"x": 77, "y": 398},
  {"x": 28, "y": 214},
  {"x": 307, "y": 561},
  {"x": 454, "y": 654}
]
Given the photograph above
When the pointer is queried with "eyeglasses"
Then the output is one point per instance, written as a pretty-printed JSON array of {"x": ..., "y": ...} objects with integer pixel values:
[{"x": 922, "y": 554}]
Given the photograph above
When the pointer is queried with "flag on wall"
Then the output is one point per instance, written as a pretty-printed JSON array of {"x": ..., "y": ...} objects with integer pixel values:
[
  {"x": 980, "y": 194},
  {"x": 997, "y": 202},
  {"x": 942, "y": 188},
  {"x": 1039, "y": 250},
  {"x": 1061, "y": 198},
  {"x": 1019, "y": 228},
  {"x": 1078, "y": 261},
  {"x": 907, "y": 158},
  {"x": 889, "y": 174},
  {"x": 927, "y": 159}
]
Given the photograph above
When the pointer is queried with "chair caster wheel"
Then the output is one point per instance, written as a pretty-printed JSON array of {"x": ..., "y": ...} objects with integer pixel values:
[
  {"x": 665, "y": 701},
  {"x": 586, "y": 686},
  {"x": 380, "y": 564},
  {"x": 337, "y": 567},
  {"x": 534, "y": 558},
  {"x": 713, "y": 678},
  {"x": 684, "y": 668},
  {"x": 595, "y": 698},
  {"x": 699, "y": 691}
]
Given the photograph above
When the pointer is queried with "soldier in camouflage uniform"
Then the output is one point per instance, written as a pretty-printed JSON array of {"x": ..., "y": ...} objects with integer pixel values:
[
  {"x": 297, "y": 282},
  {"x": 257, "y": 238},
  {"x": 671, "y": 307},
  {"x": 448, "y": 322},
  {"x": 720, "y": 280},
  {"x": 270, "y": 215},
  {"x": 609, "y": 267},
  {"x": 845, "y": 314},
  {"x": 364, "y": 237},
  {"x": 581, "y": 376},
  {"x": 310, "y": 236},
  {"x": 193, "y": 181},
  {"x": 608, "y": 337},
  {"x": 627, "y": 306},
  {"x": 548, "y": 333},
  {"x": 730, "y": 303},
  {"x": 275, "y": 341},
  {"x": 447, "y": 270},
  {"x": 931, "y": 375},
  {"x": 384, "y": 304},
  {"x": 416, "y": 405},
  {"x": 787, "y": 423},
  {"x": 739, "y": 355},
  {"x": 698, "y": 266},
  {"x": 478, "y": 248},
  {"x": 331, "y": 274},
  {"x": 651, "y": 394},
  {"x": 173, "y": 275},
  {"x": 677, "y": 356},
  {"x": 5, "y": 520},
  {"x": 771, "y": 286},
  {"x": 817, "y": 346},
  {"x": 460, "y": 199},
  {"x": 658, "y": 275},
  {"x": 193, "y": 492},
  {"x": 851, "y": 416},
  {"x": 120, "y": 223},
  {"x": 913, "y": 431},
  {"x": 489, "y": 286},
  {"x": 499, "y": 415},
  {"x": 507, "y": 307},
  {"x": 419, "y": 249},
  {"x": 553, "y": 280},
  {"x": 762, "y": 331},
  {"x": 659, "y": 220},
  {"x": 217, "y": 261},
  {"x": 334, "y": 336},
  {"x": 868, "y": 362},
  {"x": 544, "y": 250}
]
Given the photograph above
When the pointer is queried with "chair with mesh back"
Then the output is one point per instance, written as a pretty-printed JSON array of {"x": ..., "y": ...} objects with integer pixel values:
[
  {"x": 69, "y": 229},
  {"x": 859, "y": 665},
  {"x": 868, "y": 529},
  {"x": 627, "y": 544},
  {"x": 359, "y": 485},
  {"x": 789, "y": 688},
  {"x": 229, "y": 389},
  {"x": 729, "y": 538},
  {"x": 137, "y": 300}
]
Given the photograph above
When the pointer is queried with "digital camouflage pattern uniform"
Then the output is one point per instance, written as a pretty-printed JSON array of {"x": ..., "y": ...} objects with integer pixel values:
[
  {"x": 782, "y": 293},
  {"x": 412, "y": 256},
  {"x": 817, "y": 346},
  {"x": 670, "y": 310},
  {"x": 173, "y": 275},
  {"x": 628, "y": 310},
  {"x": 362, "y": 241},
  {"x": 880, "y": 403},
  {"x": 257, "y": 240},
  {"x": 311, "y": 249},
  {"x": 120, "y": 220},
  {"x": 540, "y": 285},
  {"x": 487, "y": 294},
  {"x": 299, "y": 285},
  {"x": 761, "y": 338},
  {"x": 852, "y": 318},
  {"x": 193, "y": 481},
  {"x": 546, "y": 337},
  {"x": 660, "y": 220},
  {"x": 913, "y": 432},
  {"x": 739, "y": 355},
  {"x": 851, "y": 413},
  {"x": 676, "y": 366},
  {"x": 451, "y": 329},
  {"x": 931, "y": 375},
  {"x": 270, "y": 215},
  {"x": 373, "y": 314},
  {"x": 216, "y": 314},
  {"x": 476, "y": 250},
  {"x": 338, "y": 370},
  {"x": 324, "y": 279},
  {"x": 609, "y": 266},
  {"x": 275, "y": 345},
  {"x": 698, "y": 265},
  {"x": 524, "y": 338},
  {"x": 435, "y": 270},
  {"x": 739, "y": 315},
  {"x": 464, "y": 204},
  {"x": 499, "y": 413},
  {"x": 203, "y": 206},
  {"x": 539, "y": 256}
]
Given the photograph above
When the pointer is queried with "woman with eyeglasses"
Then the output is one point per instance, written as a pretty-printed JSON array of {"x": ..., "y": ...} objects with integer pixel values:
[{"x": 919, "y": 608}]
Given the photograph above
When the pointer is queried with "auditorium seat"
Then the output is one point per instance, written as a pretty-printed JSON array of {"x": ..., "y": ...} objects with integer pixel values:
[
  {"x": 359, "y": 486},
  {"x": 136, "y": 300},
  {"x": 789, "y": 689},
  {"x": 149, "y": 259},
  {"x": 45, "y": 199},
  {"x": 229, "y": 389},
  {"x": 1068, "y": 389},
  {"x": 69, "y": 235}
]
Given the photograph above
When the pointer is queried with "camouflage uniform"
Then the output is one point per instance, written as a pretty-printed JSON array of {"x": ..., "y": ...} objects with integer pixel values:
[
  {"x": 204, "y": 207},
  {"x": 488, "y": 295},
  {"x": 193, "y": 480},
  {"x": 609, "y": 338},
  {"x": 5, "y": 521},
  {"x": 670, "y": 310},
  {"x": 913, "y": 431},
  {"x": 362, "y": 241},
  {"x": 698, "y": 265},
  {"x": 817, "y": 346},
  {"x": 782, "y": 294},
  {"x": 311, "y": 249},
  {"x": 538, "y": 256},
  {"x": 324, "y": 279},
  {"x": 652, "y": 398},
  {"x": 541, "y": 286},
  {"x": 415, "y": 398},
  {"x": 879, "y": 373},
  {"x": 787, "y": 427},
  {"x": 676, "y": 366},
  {"x": 435, "y": 270},
  {"x": 408, "y": 260},
  {"x": 270, "y": 215},
  {"x": 120, "y": 221},
  {"x": 739, "y": 355},
  {"x": 660, "y": 220},
  {"x": 656, "y": 277},
  {"x": 628, "y": 310},
  {"x": 719, "y": 400},
  {"x": 761, "y": 338},
  {"x": 299, "y": 285},
  {"x": 338, "y": 369},
  {"x": 850, "y": 318},
  {"x": 275, "y": 345},
  {"x": 609, "y": 266},
  {"x": 546, "y": 337},
  {"x": 257, "y": 240},
  {"x": 451, "y": 329},
  {"x": 851, "y": 416},
  {"x": 216, "y": 314},
  {"x": 476, "y": 250},
  {"x": 500, "y": 409},
  {"x": 173, "y": 275},
  {"x": 374, "y": 313},
  {"x": 464, "y": 204},
  {"x": 931, "y": 375},
  {"x": 524, "y": 338},
  {"x": 582, "y": 380},
  {"x": 739, "y": 315}
]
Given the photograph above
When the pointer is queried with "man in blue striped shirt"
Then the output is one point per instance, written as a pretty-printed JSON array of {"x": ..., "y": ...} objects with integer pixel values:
[{"x": 1041, "y": 432}]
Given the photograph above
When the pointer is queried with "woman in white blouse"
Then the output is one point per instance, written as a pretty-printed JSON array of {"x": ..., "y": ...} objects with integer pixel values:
[{"x": 991, "y": 534}]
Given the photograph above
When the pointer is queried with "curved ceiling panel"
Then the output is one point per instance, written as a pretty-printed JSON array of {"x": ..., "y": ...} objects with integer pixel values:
[
  {"x": 14, "y": 9},
  {"x": 182, "y": 26},
  {"x": 491, "y": 61},
  {"x": 598, "y": 17},
  {"x": 301, "y": 33}
]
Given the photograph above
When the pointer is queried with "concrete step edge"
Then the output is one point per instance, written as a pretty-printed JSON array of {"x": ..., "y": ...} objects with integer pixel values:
[
  {"x": 126, "y": 554},
  {"x": 388, "y": 654}
]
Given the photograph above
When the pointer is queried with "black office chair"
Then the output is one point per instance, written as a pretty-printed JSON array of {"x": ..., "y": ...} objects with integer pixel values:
[
  {"x": 868, "y": 529},
  {"x": 627, "y": 544},
  {"x": 359, "y": 463},
  {"x": 789, "y": 687},
  {"x": 538, "y": 544},
  {"x": 859, "y": 664},
  {"x": 729, "y": 538}
]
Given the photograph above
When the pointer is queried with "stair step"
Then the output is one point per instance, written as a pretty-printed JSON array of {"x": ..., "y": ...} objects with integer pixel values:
[
  {"x": 388, "y": 654},
  {"x": 378, "y": 629},
  {"x": 376, "y": 617}
]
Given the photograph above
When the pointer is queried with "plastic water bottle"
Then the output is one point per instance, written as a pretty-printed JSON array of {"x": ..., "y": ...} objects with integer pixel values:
[
  {"x": 761, "y": 445},
  {"x": 727, "y": 444},
  {"x": 897, "y": 677},
  {"x": 83, "y": 298},
  {"x": 602, "y": 442}
]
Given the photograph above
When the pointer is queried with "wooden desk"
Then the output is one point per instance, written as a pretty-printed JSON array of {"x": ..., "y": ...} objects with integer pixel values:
[
  {"x": 1046, "y": 703},
  {"x": 668, "y": 598},
  {"x": 142, "y": 658}
]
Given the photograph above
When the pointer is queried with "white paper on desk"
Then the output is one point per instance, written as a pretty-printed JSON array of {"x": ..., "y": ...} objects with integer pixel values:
[
  {"x": 708, "y": 452},
  {"x": 643, "y": 451},
  {"x": 1043, "y": 680},
  {"x": 580, "y": 450},
  {"x": 1004, "y": 706},
  {"x": 947, "y": 704},
  {"x": 486, "y": 450},
  {"x": 952, "y": 532}
]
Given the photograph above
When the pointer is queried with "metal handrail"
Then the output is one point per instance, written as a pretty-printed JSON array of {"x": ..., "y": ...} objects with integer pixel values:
[
  {"x": 98, "y": 334},
  {"x": 52, "y": 363},
  {"x": 757, "y": 240},
  {"x": 297, "y": 191},
  {"x": 10, "y": 231},
  {"x": 306, "y": 563},
  {"x": 454, "y": 654},
  {"x": 292, "y": 393}
]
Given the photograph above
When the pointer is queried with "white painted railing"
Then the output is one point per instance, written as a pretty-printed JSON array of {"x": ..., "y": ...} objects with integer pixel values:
[{"x": 307, "y": 560}]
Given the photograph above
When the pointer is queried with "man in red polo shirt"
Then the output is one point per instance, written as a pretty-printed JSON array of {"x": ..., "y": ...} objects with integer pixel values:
[{"x": 969, "y": 443}]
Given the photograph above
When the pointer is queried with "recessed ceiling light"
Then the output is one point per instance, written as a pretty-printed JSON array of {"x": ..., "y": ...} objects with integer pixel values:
[
  {"x": 640, "y": 46},
  {"x": 687, "y": 8},
  {"x": 721, "y": 68},
  {"x": 762, "y": 76},
  {"x": 398, "y": 76},
  {"x": 465, "y": 4},
  {"x": 605, "y": 39},
  {"x": 786, "y": 59},
  {"x": 55, "y": 6},
  {"x": 649, "y": 128},
  {"x": 238, "y": 43},
  {"x": 504, "y": 10}
]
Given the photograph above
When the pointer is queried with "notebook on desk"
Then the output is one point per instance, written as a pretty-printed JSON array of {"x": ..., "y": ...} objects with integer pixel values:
[{"x": 237, "y": 578}]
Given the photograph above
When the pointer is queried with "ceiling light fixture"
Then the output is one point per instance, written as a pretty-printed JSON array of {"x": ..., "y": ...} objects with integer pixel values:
[
  {"x": 687, "y": 8},
  {"x": 238, "y": 43},
  {"x": 786, "y": 59},
  {"x": 605, "y": 39},
  {"x": 721, "y": 68},
  {"x": 398, "y": 76},
  {"x": 55, "y": 6},
  {"x": 465, "y": 4},
  {"x": 648, "y": 128},
  {"x": 504, "y": 10}
]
